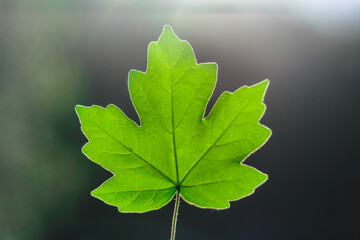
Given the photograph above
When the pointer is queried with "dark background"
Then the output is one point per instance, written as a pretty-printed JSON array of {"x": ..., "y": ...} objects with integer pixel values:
[{"x": 56, "y": 54}]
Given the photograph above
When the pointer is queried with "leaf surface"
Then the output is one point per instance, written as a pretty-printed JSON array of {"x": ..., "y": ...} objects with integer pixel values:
[{"x": 175, "y": 147}]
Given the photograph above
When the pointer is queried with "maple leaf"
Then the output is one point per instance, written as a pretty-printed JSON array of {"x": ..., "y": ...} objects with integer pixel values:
[{"x": 175, "y": 149}]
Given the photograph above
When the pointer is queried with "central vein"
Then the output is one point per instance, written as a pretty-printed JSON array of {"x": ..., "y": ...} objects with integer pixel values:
[{"x": 173, "y": 131}]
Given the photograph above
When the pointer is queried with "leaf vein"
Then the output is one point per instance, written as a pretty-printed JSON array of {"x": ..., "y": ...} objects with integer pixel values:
[
  {"x": 221, "y": 135},
  {"x": 130, "y": 150}
]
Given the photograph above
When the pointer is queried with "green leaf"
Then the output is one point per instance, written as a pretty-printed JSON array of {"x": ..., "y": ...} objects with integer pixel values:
[{"x": 175, "y": 148}]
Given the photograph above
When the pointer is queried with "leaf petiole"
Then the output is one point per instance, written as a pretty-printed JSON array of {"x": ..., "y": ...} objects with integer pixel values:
[{"x": 175, "y": 214}]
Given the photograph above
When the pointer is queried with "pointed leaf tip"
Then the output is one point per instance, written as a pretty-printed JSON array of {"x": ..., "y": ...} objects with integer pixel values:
[
  {"x": 264, "y": 83},
  {"x": 262, "y": 86},
  {"x": 79, "y": 108},
  {"x": 168, "y": 28},
  {"x": 168, "y": 33}
]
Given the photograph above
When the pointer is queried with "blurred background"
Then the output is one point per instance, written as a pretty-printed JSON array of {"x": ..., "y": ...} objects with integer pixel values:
[{"x": 56, "y": 54}]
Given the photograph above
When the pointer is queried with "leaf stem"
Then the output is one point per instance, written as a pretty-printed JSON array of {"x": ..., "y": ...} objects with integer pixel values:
[{"x": 174, "y": 219}]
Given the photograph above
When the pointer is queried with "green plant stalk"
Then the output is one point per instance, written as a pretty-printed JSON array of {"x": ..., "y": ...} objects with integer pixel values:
[{"x": 174, "y": 219}]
